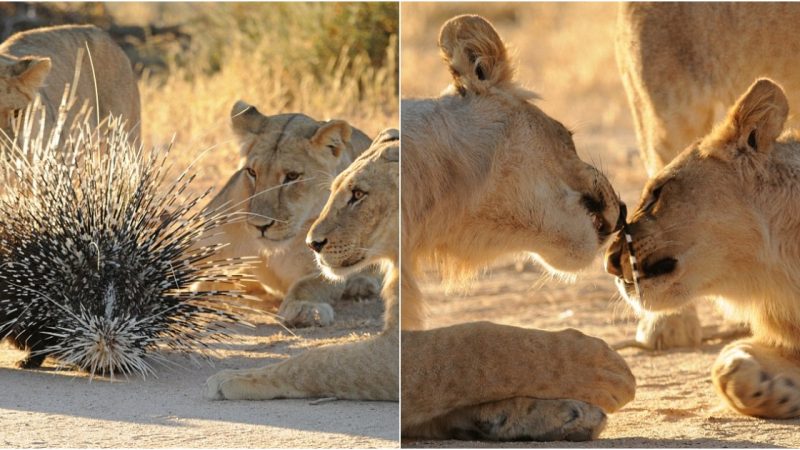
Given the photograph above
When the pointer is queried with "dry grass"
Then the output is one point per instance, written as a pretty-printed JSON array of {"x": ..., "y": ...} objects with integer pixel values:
[
  {"x": 564, "y": 52},
  {"x": 193, "y": 103}
]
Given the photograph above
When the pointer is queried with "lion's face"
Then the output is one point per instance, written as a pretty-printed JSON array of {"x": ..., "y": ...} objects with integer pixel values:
[
  {"x": 536, "y": 195},
  {"x": 359, "y": 224},
  {"x": 20, "y": 80},
  {"x": 698, "y": 229},
  {"x": 544, "y": 197},
  {"x": 288, "y": 162}
]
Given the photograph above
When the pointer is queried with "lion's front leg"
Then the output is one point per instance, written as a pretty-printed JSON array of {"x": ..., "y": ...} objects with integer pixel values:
[
  {"x": 308, "y": 301},
  {"x": 517, "y": 419},
  {"x": 363, "y": 285},
  {"x": 470, "y": 364},
  {"x": 659, "y": 331},
  {"x": 758, "y": 380},
  {"x": 363, "y": 370}
]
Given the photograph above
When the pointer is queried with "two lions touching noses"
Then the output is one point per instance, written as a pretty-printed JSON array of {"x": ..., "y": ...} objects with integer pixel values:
[{"x": 719, "y": 220}]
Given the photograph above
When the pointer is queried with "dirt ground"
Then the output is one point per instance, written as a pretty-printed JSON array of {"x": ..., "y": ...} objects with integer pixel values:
[
  {"x": 565, "y": 53},
  {"x": 675, "y": 404},
  {"x": 49, "y": 408}
]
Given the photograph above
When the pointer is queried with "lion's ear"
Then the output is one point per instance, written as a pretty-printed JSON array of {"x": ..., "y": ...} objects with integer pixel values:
[
  {"x": 758, "y": 117},
  {"x": 333, "y": 135},
  {"x": 475, "y": 54},
  {"x": 30, "y": 72},
  {"x": 247, "y": 122},
  {"x": 387, "y": 135}
]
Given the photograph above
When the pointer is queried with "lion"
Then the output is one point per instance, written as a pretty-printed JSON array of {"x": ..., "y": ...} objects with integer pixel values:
[
  {"x": 487, "y": 173},
  {"x": 357, "y": 228},
  {"x": 721, "y": 220},
  {"x": 283, "y": 181},
  {"x": 43, "y": 62},
  {"x": 681, "y": 65}
]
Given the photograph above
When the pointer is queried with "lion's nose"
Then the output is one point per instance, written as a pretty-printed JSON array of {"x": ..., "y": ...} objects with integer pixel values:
[
  {"x": 613, "y": 260},
  {"x": 317, "y": 246},
  {"x": 263, "y": 228}
]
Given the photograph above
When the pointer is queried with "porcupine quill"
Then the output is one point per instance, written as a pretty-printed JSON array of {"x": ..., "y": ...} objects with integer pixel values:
[{"x": 98, "y": 253}]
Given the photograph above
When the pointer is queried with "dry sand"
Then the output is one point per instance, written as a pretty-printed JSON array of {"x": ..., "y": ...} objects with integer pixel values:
[
  {"x": 48, "y": 408},
  {"x": 566, "y": 54},
  {"x": 675, "y": 404}
]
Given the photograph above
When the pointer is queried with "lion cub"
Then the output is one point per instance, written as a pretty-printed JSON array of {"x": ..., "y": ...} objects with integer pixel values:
[
  {"x": 43, "y": 62},
  {"x": 357, "y": 228},
  {"x": 288, "y": 162},
  {"x": 722, "y": 220}
]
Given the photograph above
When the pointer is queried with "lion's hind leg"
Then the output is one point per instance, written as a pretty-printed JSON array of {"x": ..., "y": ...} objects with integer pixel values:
[
  {"x": 517, "y": 419},
  {"x": 758, "y": 380},
  {"x": 363, "y": 370}
]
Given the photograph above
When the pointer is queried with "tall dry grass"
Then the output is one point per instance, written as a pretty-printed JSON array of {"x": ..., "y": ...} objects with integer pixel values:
[{"x": 311, "y": 58}]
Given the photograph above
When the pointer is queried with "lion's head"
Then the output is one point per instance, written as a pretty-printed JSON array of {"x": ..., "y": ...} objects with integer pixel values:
[
  {"x": 486, "y": 172},
  {"x": 359, "y": 224},
  {"x": 723, "y": 218},
  {"x": 288, "y": 162},
  {"x": 20, "y": 80}
]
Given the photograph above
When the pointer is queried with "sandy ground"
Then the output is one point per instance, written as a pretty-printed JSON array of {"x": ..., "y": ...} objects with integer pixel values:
[
  {"x": 565, "y": 53},
  {"x": 675, "y": 404},
  {"x": 49, "y": 408}
]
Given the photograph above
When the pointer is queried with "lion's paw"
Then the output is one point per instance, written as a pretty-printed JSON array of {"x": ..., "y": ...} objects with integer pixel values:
[
  {"x": 361, "y": 286},
  {"x": 301, "y": 314},
  {"x": 530, "y": 419},
  {"x": 214, "y": 385},
  {"x": 753, "y": 389},
  {"x": 666, "y": 331}
]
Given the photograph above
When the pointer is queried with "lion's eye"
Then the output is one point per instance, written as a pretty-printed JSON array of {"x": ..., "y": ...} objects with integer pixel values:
[
  {"x": 654, "y": 196},
  {"x": 358, "y": 194},
  {"x": 251, "y": 172},
  {"x": 291, "y": 176}
]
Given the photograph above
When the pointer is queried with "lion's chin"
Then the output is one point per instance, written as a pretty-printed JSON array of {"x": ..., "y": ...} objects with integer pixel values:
[
  {"x": 276, "y": 244},
  {"x": 568, "y": 262},
  {"x": 343, "y": 269},
  {"x": 652, "y": 299}
]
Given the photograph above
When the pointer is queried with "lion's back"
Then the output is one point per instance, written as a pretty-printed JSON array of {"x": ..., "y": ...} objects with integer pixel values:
[
  {"x": 116, "y": 88},
  {"x": 681, "y": 63}
]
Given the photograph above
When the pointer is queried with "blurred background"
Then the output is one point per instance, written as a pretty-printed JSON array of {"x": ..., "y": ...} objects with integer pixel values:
[{"x": 194, "y": 60}]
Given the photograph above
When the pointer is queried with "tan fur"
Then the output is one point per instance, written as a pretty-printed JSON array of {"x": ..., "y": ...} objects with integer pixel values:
[
  {"x": 728, "y": 215},
  {"x": 487, "y": 173},
  {"x": 681, "y": 62},
  {"x": 273, "y": 147},
  {"x": 358, "y": 234},
  {"x": 681, "y": 65},
  {"x": 43, "y": 62}
]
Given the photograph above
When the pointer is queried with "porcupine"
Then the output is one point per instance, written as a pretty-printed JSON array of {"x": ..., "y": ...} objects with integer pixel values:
[{"x": 95, "y": 260}]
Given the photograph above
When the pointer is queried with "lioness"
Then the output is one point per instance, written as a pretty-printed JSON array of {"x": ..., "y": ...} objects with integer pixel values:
[
  {"x": 288, "y": 161},
  {"x": 487, "y": 173},
  {"x": 723, "y": 220},
  {"x": 43, "y": 62},
  {"x": 683, "y": 63},
  {"x": 358, "y": 227}
]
